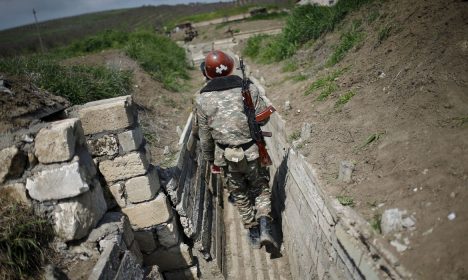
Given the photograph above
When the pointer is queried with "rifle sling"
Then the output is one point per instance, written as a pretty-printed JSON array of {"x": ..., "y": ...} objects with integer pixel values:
[{"x": 244, "y": 146}]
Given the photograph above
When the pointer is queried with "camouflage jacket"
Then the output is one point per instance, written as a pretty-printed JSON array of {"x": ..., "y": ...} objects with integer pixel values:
[{"x": 221, "y": 119}]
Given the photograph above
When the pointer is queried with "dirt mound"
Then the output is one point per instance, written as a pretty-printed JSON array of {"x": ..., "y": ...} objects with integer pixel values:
[
  {"x": 399, "y": 113},
  {"x": 21, "y": 102}
]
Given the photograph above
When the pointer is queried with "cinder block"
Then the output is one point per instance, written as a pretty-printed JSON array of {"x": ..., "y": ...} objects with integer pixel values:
[
  {"x": 130, "y": 140},
  {"x": 62, "y": 181},
  {"x": 176, "y": 257},
  {"x": 107, "y": 115},
  {"x": 146, "y": 241},
  {"x": 12, "y": 163},
  {"x": 57, "y": 142},
  {"x": 149, "y": 214},
  {"x": 104, "y": 146},
  {"x": 168, "y": 233},
  {"x": 142, "y": 188},
  {"x": 124, "y": 167}
]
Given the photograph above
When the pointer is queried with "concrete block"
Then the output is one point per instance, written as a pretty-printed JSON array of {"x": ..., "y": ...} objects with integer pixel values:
[
  {"x": 108, "y": 264},
  {"x": 12, "y": 163},
  {"x": 130, "y": 140},
  {"x": 112, "y": 224},
  {"x": 130, "y": 268},
  {"x": 176, "y": 257},
  {"x": 118, "y": 192},
  {"x": 62, "y": 181},
  {"x": 345, "y": 171},
  {"x": 57, "y": 142},
  {"x": 168, "y": 233},
  {"x": 149, "y": 214},
  {"x": 76, "y": 217},
  {"x": 17, "y": 191},
  {"x": 124, "y": 167},
  {"x": 104, "y": 146},
  {"x": 112, "y": 114},
  {"x": 349, "y": 244},
  {"x": 143, "y": 188},
  {"x": 146, "y": 241}
]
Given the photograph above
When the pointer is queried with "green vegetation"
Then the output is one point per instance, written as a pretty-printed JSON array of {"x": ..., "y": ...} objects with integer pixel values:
[
  {"x": 348, "y": 40},
  {"x": 384, "y": 33},
  {"x": 306, "y": 23},
  {"x": 295, "y": 135},
  {"x": 24, "y": 238},
  {"x": 345, "y": 200},
  {"x": 373, "y": 15},
  {"x": 79, "y": 84},
  {"x": 375, "y": 223},
  {"x": 372, "y": 138},
  {"x": 343, "y": 99},
  {"x": 290, "y": 66},
  {"x": 300, "y": 77},
  {"x": 327, "y": 85}
]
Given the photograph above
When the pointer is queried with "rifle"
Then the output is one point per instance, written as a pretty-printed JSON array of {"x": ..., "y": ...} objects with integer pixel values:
[{"x": 249, "y": 109}]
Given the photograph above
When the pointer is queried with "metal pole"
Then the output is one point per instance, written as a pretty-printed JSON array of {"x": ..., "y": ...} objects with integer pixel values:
[{"x": 38, "y": 33}]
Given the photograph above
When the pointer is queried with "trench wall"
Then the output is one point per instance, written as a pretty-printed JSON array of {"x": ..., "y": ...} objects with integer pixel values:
[{"x": 322, "y": 238}]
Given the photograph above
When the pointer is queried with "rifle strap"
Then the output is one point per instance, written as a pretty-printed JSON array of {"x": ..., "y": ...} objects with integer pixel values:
[{"x": 244, "y": 146}]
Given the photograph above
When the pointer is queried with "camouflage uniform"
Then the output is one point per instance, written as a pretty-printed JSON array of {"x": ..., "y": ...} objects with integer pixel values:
[{"x": 223, "y": 124}]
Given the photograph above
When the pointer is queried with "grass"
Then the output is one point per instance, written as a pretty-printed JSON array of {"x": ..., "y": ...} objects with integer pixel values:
[
  {"x": 375, "y": 223},
  {"x": 24, "y": 239},
  {"x": 307, "y": 22},
  {"x": 372, "y": 138},
  {"x": 299, "y": 78},
  {"x": 295, "y": 136},
  {"x": 345, "y": 200},
  {"x": 348, "y": 40},
  {"x": 327, "y": 85},
  {"x": 79, "y": 84},
  {"x": 384, "y": 33},
  {"x": 290, "y": 66},
  {"x": 343, "y": 99}
]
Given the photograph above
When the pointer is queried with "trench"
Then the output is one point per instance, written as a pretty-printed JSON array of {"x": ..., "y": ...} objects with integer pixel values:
[{"x": 319, "y": 238}]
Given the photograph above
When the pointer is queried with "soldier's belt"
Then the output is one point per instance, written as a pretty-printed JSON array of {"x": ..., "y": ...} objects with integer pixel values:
[{"x": 244, "y": 146}]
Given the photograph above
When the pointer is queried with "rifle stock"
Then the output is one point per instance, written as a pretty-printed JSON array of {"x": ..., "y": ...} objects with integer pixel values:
[{"x": 256, "y": 133}]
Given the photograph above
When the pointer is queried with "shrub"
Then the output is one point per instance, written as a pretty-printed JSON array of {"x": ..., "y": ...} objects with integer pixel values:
[
  {"x": 79, "y": 84},
  {"x": 24, "y": 238},
  {"x": 343, "y": 99}
]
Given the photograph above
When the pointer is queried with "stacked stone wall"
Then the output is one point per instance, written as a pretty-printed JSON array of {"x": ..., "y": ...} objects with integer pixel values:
[{"x": 76, "y": 169}]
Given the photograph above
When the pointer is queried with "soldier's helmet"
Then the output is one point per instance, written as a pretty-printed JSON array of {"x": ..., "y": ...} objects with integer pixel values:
[{"x": 218, "y": 64}]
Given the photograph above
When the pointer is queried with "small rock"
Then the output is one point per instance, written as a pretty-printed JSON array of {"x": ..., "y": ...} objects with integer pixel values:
[
  {"x": 408, "y": 222},
  {"x": 398, "y": 246},
  {"x": 424, "y": 172},
  {"x": 298, "y": 111},
  {"x": 391, "y": 221},
  {"x": 427, "y": 232},
  {"x": 453, "y": 194},
  {"x": 406, "y": 241},
  {"x": 179, "y": 131},
  {"x": 84, "y": 257},
  {"x": 166, "y": 150},
  {"x": 287, "y": 105},
  {"x": 451, "y": 216},
  {"x": 27, "y": 138},
  {"x": 381, "y": 74},
  {"x": 262, "y": 80},
  {"x": 415, "y": 189},
  {"x": 306, "y": 131},
  {"x": 297, "y": 144},
  {"x": 345, "y": 171}
]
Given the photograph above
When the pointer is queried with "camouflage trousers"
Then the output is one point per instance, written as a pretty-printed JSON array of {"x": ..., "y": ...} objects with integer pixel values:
[{"x": 250, "y": 190}]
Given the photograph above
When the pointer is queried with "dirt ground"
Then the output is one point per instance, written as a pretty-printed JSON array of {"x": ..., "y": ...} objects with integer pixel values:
[{"x": 411, "y": 99}]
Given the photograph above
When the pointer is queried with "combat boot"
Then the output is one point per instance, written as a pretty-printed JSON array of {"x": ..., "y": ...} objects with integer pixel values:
[
  {"x": 266, "y": 237},
  {"x": 254, "y": 237}
]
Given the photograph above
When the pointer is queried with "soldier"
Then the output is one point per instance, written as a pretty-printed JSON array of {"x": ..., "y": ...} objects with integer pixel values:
[{"x": 227, "y": 144}]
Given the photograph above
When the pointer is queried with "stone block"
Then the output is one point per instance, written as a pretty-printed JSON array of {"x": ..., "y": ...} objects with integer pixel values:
[
  {"x": 113, "y": 223},
  {"x": 107, "y": 115},
  {"x": 176, "y": 257},
  {"x": 12, "y": 163},
  {"x": 76, "y": 217},
  {"x": 108, "y": 264},
  {"x": 118, "y": 192},
  {"x": 168, "y": 233},
  {"x": 130, "y": 268},
  {"x": 345, "y": 172},
  {"x": 104, "y": 146},
  {"x": 142, "y": 188},
  {"x": 146, "y": 241},
  {"x": 57, "y": 142},
  {"x": 62, "y": 181},
  {"x": 188, "y": 273},
  {"x": 148, "y": 214},
  {"x": 124, "y": 167},
  {"x": 130, "y": 140},
  {"x": 135, "y": 249},
  {"x": 17, "y": 191}
]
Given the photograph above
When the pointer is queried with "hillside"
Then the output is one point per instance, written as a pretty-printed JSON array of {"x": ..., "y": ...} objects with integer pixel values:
[{"x": 396, "y": 108}]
